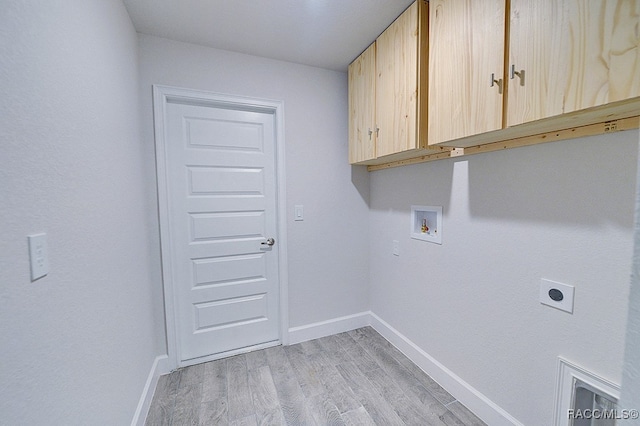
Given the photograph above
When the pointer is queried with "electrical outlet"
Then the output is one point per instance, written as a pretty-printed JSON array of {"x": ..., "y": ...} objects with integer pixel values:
[
  {"x": 38, "y": 255},
  {"x": 396, "y": 248},
  {"x": 557, "y": 295}
]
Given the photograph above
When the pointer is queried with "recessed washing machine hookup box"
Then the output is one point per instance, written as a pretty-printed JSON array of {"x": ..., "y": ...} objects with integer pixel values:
[{"x": 426, "y": 223}]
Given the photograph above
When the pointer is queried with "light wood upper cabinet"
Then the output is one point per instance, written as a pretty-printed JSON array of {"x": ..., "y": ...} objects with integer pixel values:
[
  {"x": 362, "y": 102},
  {"x": 573, "y": 55},
  {"x": 466, "y": 66},
  {"x": 569, "y": 63},
  {"x": 398, "y": 94},
  {"x": 468, "y": 73},
  {"x": 397, "y": 51}
]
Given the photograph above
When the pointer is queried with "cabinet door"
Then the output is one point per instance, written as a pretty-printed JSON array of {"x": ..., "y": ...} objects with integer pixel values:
[
  {"x": 466, "y": 48},
  {"x": 538, "y": 51},
  {"x": 573, "y": 54},
  {"x": 604, "y": 61},
  {"x": 397, "y": 84},
  {"x": 362, "y": 90}
]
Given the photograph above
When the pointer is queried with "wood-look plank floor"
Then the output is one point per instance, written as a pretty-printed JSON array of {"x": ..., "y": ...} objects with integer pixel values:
[{"x": 354, "y": 378}]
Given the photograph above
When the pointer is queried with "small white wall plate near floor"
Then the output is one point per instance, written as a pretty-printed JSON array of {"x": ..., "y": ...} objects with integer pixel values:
[{"x": 567, "y": 376}]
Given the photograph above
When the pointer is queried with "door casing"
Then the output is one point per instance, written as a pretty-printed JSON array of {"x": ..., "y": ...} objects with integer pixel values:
[{"x": 161, "y": 96}]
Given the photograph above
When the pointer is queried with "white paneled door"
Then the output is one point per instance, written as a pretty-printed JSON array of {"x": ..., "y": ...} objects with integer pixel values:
[{"x": 222, "y": 224}]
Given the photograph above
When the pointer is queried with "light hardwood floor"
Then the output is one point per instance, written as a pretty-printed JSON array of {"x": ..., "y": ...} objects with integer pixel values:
[{"x": 354, "y": 378}]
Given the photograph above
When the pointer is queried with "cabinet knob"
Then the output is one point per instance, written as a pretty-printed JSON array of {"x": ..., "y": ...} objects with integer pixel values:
[{"x": 520, "y": 74}]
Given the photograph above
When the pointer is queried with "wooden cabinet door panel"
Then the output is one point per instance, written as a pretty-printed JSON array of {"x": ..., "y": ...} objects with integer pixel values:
[
  {"x": 466, "y": 46},
  {"x": 604, "y": 45},
  {"x": 537, "y": 50},
  {"x": 362, "y": 89},
  {"x": 575, "y": 54},
  {"x": 397, "y": 84}
]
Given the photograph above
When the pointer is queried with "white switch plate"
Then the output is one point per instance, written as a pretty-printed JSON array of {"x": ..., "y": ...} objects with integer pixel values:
[
  {"x": 396, "y": 248},
  {"x": 566, "y": 304},
  {"x": 38, "y": 256},
  {"x": 298, "y": 212}
]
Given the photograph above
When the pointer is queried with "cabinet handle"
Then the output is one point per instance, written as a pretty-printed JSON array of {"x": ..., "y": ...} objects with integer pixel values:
[
  {"x": 520, "y": 74},
  {"x": 370, "y": 133},
  {"x": 495, "y": 82}
]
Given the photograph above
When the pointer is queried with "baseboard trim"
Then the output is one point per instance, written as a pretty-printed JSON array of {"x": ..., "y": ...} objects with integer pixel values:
[
  {"x": 159, "y": 367},
  {"x": 477, "y": 402},
  {"x": 329, "y": 327}
]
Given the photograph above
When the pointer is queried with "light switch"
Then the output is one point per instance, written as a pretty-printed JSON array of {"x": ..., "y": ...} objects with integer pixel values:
[
  {"x": 38, "y": 256},
  {"x": 298, "y": 212}
]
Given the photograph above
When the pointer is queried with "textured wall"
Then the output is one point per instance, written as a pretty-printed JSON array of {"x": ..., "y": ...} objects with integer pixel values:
[
  {"x": 562, "y": 211},
  {"x": 630, "y": 396},
  {"x": 328, "y": 251},
  {"x": 77, "y": 345}
]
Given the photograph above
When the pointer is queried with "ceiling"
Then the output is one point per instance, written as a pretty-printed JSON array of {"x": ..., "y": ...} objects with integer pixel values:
[{"x": 321, "y": 33}]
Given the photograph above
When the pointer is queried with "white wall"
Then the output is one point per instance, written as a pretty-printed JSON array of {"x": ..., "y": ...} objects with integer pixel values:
[
  {"x": 328, "y": 251},
  {"x": 77, "y": 345},
  {"x": 562, "y": 211},
  {"x": 630, "y": 396}
]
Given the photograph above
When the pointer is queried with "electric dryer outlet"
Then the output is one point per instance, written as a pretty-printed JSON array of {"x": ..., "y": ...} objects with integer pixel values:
[{"x": 557, "y": 295}]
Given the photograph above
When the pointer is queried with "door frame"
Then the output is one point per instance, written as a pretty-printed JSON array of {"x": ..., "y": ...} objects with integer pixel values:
[{"x": 161, "y": 96}]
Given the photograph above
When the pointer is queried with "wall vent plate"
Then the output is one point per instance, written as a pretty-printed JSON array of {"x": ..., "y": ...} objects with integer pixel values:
[
  {"x": 426, "y": 223},
  {"x": 557, "y": 295},
  {"x": 566, "y": 411}
]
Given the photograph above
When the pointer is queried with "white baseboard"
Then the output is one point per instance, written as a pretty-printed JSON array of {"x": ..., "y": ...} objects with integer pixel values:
[
  {"x": 329, "y": 327},
  {"x": 160, "y": 366},
  {"x": 478, "y": 403}
]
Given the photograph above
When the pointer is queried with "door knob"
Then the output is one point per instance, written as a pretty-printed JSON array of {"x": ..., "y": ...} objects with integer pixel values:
[{"x": 269, "y": 242}]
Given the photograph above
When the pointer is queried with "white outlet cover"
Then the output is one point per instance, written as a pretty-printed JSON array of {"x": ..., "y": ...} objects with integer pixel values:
[{"x": 567, "y": 291}]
